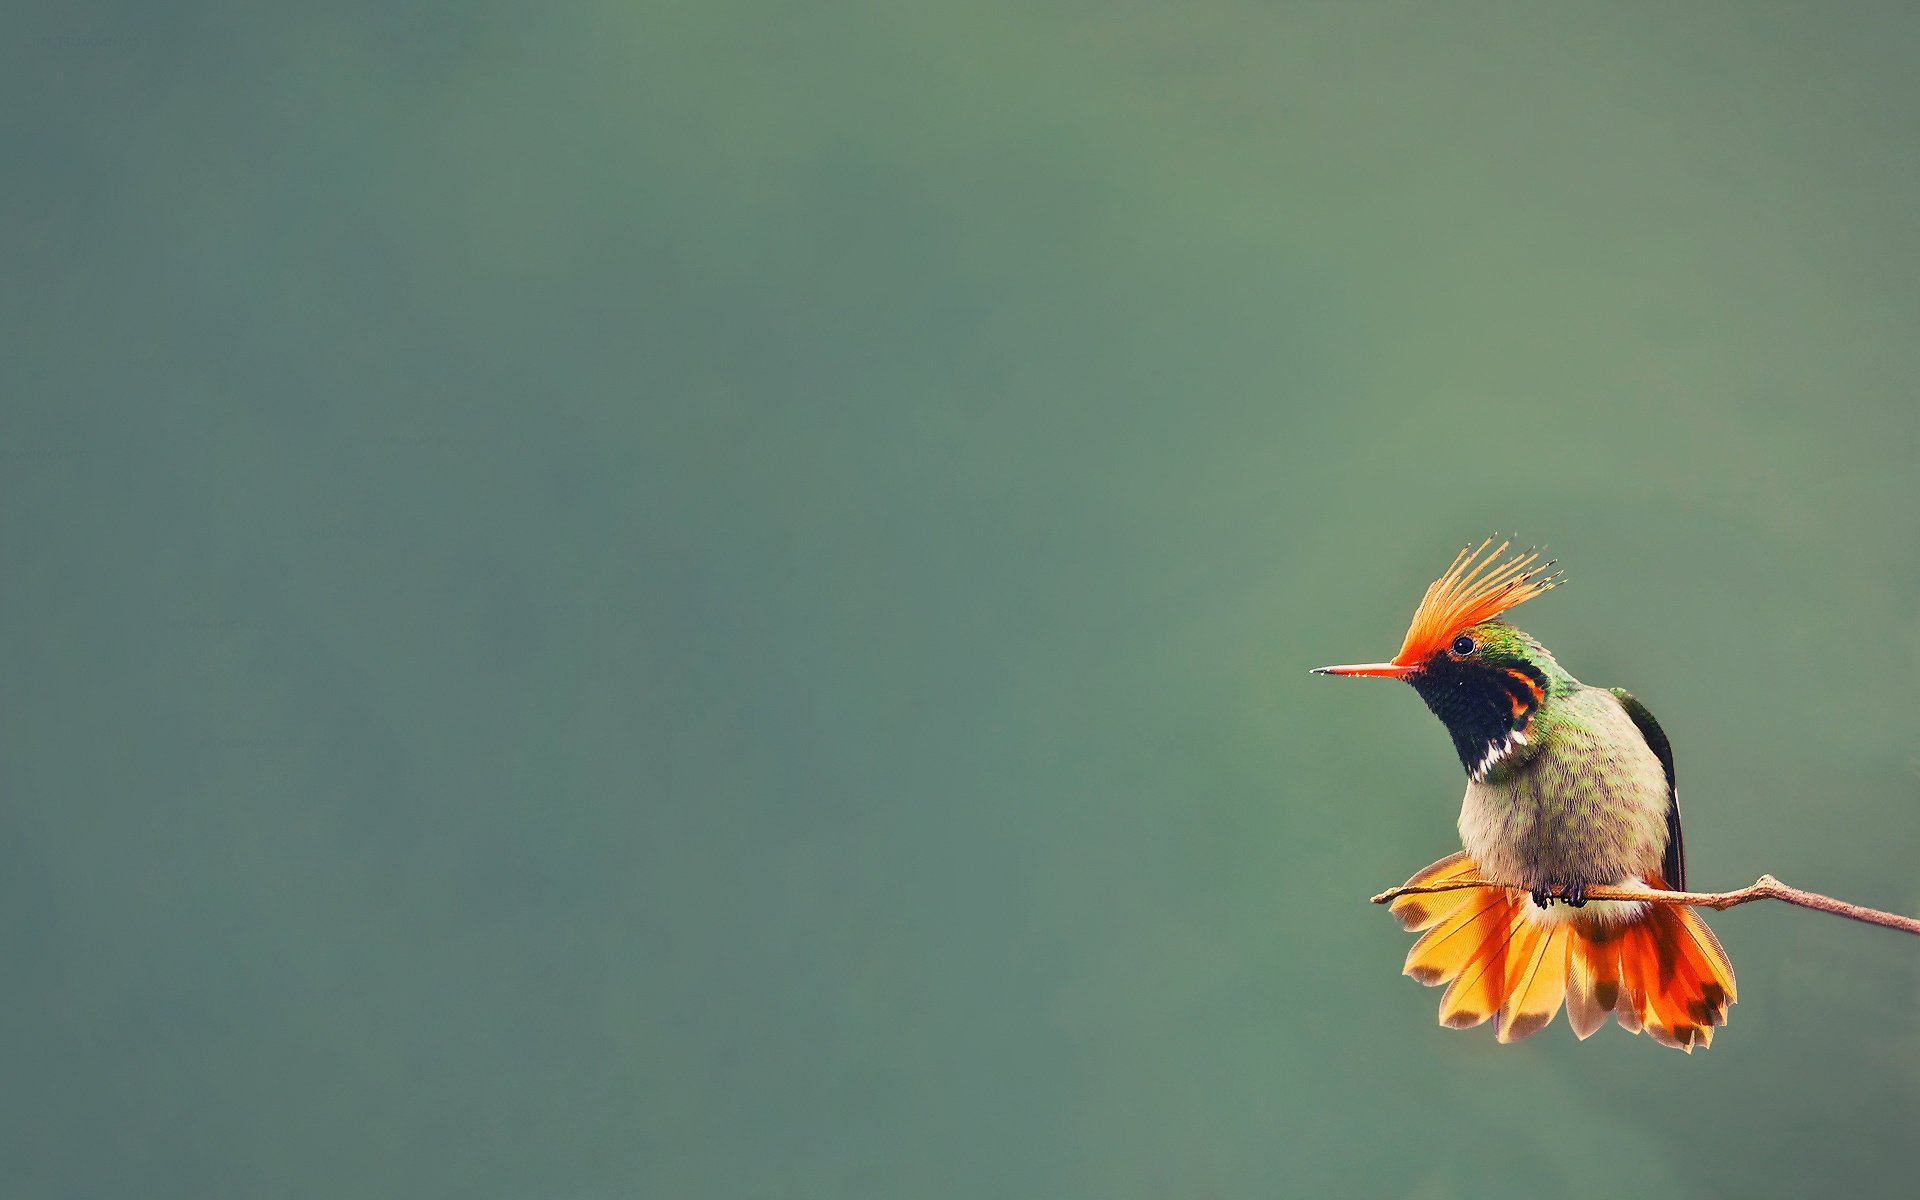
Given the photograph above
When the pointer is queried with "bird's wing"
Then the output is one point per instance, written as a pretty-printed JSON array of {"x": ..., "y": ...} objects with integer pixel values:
[{"x": 1673, "y": 868}]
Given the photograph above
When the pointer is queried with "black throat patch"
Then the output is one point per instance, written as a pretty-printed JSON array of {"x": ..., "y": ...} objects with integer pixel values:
[{"x": 1483, "y": 705}]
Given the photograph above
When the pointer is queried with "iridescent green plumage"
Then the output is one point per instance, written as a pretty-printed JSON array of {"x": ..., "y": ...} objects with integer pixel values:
[{"x": 1564, "y": 789}]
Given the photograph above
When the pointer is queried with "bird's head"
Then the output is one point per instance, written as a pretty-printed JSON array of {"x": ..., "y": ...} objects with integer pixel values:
[{"x": 1483, "y": 678}]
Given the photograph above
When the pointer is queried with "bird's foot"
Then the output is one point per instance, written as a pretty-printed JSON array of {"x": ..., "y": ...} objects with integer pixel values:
[{"x": 1573, "y": 895}]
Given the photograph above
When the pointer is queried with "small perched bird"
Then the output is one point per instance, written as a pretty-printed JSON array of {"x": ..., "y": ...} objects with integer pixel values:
[{"x": 1568, "y": 787}]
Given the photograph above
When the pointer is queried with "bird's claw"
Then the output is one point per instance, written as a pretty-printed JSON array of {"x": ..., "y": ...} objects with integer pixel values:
[{"x": 1573, "y": 895}]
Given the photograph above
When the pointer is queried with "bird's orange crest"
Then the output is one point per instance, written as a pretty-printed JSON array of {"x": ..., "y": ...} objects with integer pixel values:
[{"x": 1477, "y": 587}]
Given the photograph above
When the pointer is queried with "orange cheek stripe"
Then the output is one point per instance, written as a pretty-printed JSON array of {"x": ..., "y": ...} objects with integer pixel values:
[
  {"x": 1539, "y": 693},
  {"x": 1521, "y": 709}
]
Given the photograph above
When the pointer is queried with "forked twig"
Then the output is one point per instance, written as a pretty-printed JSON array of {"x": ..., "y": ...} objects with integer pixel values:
[{"x": 1764, "y": 888}]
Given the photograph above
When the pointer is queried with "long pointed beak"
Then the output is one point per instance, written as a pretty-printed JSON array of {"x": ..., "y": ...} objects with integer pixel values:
[{"x": 1383, "y": 670}]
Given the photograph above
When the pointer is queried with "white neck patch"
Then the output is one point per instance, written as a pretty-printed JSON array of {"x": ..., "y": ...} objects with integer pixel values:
[{"x": 1496, "y": 754}]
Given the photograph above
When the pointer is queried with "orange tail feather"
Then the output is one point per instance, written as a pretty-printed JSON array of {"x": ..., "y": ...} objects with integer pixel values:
[{"x": 1658, "y": 969}]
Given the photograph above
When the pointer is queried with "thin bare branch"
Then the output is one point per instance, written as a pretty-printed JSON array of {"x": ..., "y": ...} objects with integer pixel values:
[{"x": 1764, "y": 888}]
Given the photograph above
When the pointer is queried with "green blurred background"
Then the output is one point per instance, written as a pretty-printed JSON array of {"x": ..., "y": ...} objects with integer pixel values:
[{"x": 713, "y": 600}]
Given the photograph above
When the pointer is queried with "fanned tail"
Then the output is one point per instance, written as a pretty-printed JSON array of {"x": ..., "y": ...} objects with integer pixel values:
[
  {"x": 1655, "y": 967},
  {"x": 1673, "y": 979}
]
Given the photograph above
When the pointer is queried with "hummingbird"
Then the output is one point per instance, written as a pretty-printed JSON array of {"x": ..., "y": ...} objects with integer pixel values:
[{"x": 1568, "y": 787}]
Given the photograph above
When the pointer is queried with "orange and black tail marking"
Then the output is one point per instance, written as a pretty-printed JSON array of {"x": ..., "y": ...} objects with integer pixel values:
[{"x": 1660, "y": 970}]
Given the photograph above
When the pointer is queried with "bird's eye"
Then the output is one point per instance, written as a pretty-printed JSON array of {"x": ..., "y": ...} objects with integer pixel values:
[{"x": 1463, "y": 646}]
